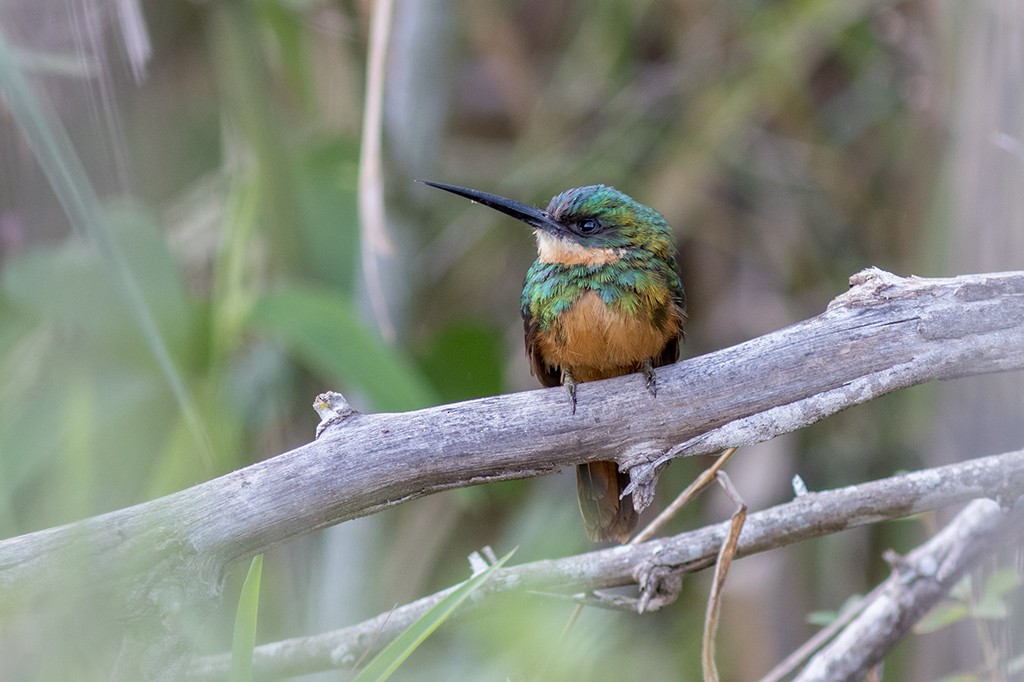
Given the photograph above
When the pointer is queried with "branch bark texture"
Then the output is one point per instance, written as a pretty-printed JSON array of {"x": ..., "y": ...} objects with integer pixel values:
[
  {"x": 657, "y": 564},
  {"x": 886, "y": 333},
  {"x": 917, "y": 583}
]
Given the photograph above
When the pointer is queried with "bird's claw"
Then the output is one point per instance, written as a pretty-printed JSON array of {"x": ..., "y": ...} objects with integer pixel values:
[
  {"x": 652, "y": 378},
  {"x": 569, "y": 381}
]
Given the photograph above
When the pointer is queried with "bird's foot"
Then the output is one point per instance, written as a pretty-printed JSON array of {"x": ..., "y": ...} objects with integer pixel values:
[
  {"x": 652, "y": 379},
  {"x": 569, "y": 381}
]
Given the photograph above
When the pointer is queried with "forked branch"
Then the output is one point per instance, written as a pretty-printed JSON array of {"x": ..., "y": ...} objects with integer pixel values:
[
  {"x": 886, "y": 333},
  {"x": 808, "y": 516}
]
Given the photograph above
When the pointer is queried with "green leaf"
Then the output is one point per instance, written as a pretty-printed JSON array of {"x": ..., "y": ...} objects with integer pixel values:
[
  {"x": 328, "y": 171},
  {"x": 963, "y": 590},
  {"x": 324, "y": 330},
  {"x": 394, "y": 654},
  {"x": 822, "y": 618},
  {"x": 464, "y": 361},
  {"x": 991, "y": 605},
  {"x": 990, "y": 608},
  {"x": 292, "y": 48},
  {"x": 1001, "y": 583},
  {"x": 960, "y": 677},
  {"x": 944, "y": 614},
  {"x": 244, "y": 639}
]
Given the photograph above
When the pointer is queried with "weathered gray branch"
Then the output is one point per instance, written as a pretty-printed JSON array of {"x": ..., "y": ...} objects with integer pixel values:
[
  {"x": 650, "y": 563},
  {"x": 917, "y": 583},
  {"x": 886, "y": 333}
]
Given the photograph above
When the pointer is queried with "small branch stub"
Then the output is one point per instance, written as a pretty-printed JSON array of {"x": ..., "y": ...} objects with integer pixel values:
[
  {"x": 333, "y": 409},
  {"x": 885, "y": 334}
]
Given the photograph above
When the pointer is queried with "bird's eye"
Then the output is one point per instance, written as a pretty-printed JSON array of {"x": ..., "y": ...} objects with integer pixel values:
[{"x": 589, "y": 226}]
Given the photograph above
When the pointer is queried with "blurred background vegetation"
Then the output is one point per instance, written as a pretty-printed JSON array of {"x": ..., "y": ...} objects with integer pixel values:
[{"x": 182, "y": 274}]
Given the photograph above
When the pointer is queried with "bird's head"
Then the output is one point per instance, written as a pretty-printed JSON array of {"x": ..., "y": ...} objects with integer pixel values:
[{"x": 594, "y": 224}]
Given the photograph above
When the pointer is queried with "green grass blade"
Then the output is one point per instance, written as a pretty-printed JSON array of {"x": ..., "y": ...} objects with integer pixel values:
[
  {"x": 56, "y": 156},
  {"x": 244, "y": 639},
  {"x": 394, "y": 654}
]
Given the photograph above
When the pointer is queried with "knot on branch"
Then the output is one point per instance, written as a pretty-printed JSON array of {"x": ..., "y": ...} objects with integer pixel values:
[
  {"x": 333, "y": 409},
  {"x": 643, "y": 481},
  {"x": 867, "y": 286},
  {"x": 659, "y": 586}
]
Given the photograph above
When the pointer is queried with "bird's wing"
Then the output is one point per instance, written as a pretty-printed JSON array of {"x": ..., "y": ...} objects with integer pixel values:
[
  {"x": 670, "y": 353},
  {"x": 549, "y": 376}
]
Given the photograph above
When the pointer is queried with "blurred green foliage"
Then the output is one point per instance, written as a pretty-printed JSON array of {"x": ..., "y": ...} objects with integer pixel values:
[
  {"x": 392, "y": 657},
  {"x": 790, "y": 144}
]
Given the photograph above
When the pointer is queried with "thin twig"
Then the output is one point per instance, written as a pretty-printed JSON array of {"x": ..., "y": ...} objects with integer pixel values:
[
  {"x": 168, "y": 556},
  {"x": 651, "y": 528},
  {"x": 918, "y": 581},
  {"x": 884, "y": 334},
  {"x": 722, "y": 564},
  {"x": 372, "y": 645},
  {"x": 725, "y": 555},
  {"x": 701, "y": 482},
  {"x": 557, "y": 648},
  {"x": 791, "y": 663},
  {"x": 374, "y": 241},
  {"x": 811, "y": 515}
]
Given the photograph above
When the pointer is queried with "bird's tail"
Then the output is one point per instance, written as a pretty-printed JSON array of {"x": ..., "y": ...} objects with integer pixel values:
[{"x": 606, "y": 517}]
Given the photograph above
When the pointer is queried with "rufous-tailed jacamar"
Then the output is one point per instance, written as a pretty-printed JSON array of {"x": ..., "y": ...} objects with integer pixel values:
[{"x": 603, "y": 299}]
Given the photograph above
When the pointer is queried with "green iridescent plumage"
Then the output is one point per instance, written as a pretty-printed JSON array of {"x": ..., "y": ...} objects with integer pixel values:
[
  {"x": 603, "y": 299},
  {"x": 644, "y": 280},
  {"x": 634, "y": 288}
]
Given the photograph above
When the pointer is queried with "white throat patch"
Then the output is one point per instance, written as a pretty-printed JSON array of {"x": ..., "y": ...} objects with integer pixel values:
[{"x": 551, "y": 249}]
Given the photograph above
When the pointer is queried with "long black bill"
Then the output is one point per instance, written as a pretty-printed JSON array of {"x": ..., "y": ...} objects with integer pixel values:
[{"x": 528, "y": 214}]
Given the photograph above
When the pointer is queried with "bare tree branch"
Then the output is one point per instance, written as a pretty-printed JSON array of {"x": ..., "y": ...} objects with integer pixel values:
[
  {"x": 808, "y": 516},
  {"x": 917, "y": 583},
  {"x": 886, "y": 333}
]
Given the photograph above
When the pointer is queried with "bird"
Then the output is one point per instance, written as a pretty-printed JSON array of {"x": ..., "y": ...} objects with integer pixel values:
[{"x": 603, "y": 299}]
